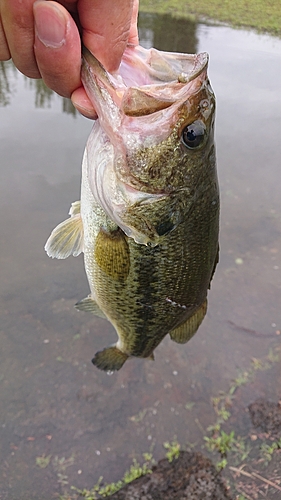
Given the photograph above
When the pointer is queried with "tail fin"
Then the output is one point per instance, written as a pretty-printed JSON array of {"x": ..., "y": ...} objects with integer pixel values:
[{"x": 110, "y": 359}]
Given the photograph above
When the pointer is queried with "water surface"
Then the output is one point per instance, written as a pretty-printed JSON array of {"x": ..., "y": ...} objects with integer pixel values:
[{"x": 54, "y": 404}]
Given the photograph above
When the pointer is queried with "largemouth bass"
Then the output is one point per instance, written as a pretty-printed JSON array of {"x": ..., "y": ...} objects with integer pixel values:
[{"x": 148, "y": 219}]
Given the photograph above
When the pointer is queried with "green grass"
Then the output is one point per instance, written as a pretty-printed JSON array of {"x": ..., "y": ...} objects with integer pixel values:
[
  {"x": 225, "y": 447},
  {"x": 173, "y": 450},
  {"x": 258, "y": 14},
  {"x": 98, "y": 491}
]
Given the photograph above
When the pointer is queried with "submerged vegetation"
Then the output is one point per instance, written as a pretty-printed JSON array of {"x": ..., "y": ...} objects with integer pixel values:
[{"x": 263, "y": 16}]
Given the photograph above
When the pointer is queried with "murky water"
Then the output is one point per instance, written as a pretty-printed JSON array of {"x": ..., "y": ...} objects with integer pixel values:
[{"x": 63, "y": 422}]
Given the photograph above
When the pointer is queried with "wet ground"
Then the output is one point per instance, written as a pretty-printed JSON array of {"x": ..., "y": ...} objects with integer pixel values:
[
  {"x": 189, "y": 477},
  {"x": 65, "y": 423}
]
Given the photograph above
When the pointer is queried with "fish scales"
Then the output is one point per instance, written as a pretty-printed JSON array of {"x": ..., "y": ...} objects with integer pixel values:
[
  {"x": 152, "y": 300},
  {"x": 148, "y": 221}
]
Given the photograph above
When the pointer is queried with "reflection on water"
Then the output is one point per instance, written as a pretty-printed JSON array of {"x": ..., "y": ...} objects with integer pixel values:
[
  {"x": 162, "y": 32},
  {"x": 43, "y": 95},
  {"x": 59, "y": 412},
  {"x": 5, "y": 82},
  {"x": 168, "y": 33}
]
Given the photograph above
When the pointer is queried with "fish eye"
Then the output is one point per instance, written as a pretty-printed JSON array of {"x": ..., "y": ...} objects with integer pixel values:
[{"x": 193, "y": 135}]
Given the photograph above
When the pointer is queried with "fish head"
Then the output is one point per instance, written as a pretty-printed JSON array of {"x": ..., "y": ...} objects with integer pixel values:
[{"x": 157, "y": 118}]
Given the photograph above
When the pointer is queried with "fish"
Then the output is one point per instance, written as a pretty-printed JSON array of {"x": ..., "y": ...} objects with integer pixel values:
[{"x": 148, "y": 218}]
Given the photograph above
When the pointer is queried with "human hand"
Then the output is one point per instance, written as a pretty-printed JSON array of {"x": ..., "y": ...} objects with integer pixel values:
[{"x": 44, "y": 42}]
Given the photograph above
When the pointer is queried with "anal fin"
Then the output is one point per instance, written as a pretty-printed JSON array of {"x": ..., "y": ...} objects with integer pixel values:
[
  {"x": 110, "y": 359},
  {"x": 185, "y": 332}
]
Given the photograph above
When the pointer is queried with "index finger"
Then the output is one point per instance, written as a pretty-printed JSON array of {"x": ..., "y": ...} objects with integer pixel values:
[
  {"x": 106, "y": 28},
  {"x": 18, "y": 26},
  {"x": 108, "y": 53}
]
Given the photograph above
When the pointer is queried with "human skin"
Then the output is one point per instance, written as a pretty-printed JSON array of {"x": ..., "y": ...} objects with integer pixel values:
[{"x": 42, "y": 37}]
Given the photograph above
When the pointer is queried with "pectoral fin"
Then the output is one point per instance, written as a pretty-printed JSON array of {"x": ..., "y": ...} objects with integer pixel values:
[
  {"x": 110, "y": 359},
  {"x": 67, "y": 238},
  {"x": 112, "y": 254},
  {"x": 89, "y": 305},
  {"x": 184, "y": 332}
]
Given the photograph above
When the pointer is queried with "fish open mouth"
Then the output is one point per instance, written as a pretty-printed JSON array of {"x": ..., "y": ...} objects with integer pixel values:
[
  {"x": 146, "y": 81},
  {"x": 142, "y": 109}
]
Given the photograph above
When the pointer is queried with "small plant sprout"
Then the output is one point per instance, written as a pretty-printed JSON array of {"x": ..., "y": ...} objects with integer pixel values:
[{"x": 173, "y": 450}]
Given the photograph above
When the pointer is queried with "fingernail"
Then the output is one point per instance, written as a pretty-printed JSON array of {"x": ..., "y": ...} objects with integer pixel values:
[{"x": 50, "y": 24}]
